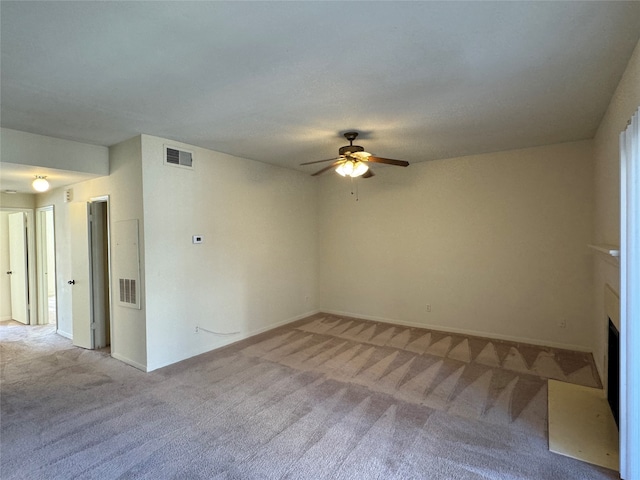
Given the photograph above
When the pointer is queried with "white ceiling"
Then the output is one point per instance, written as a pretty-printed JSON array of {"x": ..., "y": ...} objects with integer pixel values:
[
  {"x": 18, "y": 178},
  {"x": 279, "y": 82}
]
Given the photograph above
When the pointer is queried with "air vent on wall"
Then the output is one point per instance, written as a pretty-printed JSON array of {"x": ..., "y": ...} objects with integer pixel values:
[
  {"x": 128, "y": 291},
  {"x": 178, "y": 158},
  {"x": 126, "y": 263}
]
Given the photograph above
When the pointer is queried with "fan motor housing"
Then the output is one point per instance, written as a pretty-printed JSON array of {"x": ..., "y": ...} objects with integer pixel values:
[{"x": 347, "y": 149}]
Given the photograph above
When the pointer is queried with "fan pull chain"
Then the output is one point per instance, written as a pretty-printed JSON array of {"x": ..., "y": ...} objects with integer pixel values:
[{"x": 354, "y": 180}]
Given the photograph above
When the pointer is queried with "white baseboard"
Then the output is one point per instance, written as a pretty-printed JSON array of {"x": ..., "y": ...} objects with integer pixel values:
[
  {"x": 64, "y": 334},
  {"x": 128, "y": 361},
  {"x": 282, "y": 323},
  {"x": 236, "y": 338},
  {"x": 464, "y": 331},
  {"x": 6, "y": 318}
]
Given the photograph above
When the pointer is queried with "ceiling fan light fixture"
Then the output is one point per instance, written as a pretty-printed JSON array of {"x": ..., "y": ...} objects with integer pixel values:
[
  {"x": 352, "y": 169},
  {"x": 345, "y": 168},
  {"x": 359, "y": 168},
  {"x": 353, "y": 161},
  {"x": 40, "y": 184}
]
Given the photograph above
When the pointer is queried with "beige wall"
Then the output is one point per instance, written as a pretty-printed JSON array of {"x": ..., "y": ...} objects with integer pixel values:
[
  {"x": 256, "y": 267},
  {"x": 125, "y": 200},
  {"x": 624, "y": 103},
  {"x": 17, "y": 200},
  {"x": 255, "y": 270},
  {"x": 42, "y": 151},
  {"x": 128, "y": 335},
  {"x": 495, "y": 243},
  {"x": 5, "y": 280}
]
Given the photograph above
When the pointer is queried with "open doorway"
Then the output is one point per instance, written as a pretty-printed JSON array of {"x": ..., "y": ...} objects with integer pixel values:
[
  {"x": 17, "y": 266},
  {"x": 46, "y": 271},
  {"x": 100, "y": 276},
  {"x": 90, "y": 273}
]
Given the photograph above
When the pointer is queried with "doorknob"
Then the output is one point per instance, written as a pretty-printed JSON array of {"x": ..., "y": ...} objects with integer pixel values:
[
  {"x": 9, "y": 273},
  {"x": 71, "y": 282}
]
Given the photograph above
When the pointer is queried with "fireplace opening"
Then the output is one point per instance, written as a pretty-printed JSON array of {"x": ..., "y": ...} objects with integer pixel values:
[{"x": 613, "y": 371}]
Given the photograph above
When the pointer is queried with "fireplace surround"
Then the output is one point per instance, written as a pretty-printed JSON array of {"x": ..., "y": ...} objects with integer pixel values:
[
  {"x": 613, "y": 371},
  {"x": 612, "y": 312}
]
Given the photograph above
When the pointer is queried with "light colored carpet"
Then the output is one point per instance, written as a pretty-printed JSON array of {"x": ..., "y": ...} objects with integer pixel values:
[{"x": 325, "y": 397}]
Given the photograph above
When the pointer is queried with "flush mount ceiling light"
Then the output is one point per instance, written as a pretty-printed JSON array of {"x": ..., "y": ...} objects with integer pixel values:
[
  {"x": 40, "y": 184},
  {"x": 352, "y": 160}
]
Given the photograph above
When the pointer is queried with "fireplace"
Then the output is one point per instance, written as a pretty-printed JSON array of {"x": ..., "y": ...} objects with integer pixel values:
[
  {"x": 613, "y": 370},
  {"x": 612, "y": 349}
]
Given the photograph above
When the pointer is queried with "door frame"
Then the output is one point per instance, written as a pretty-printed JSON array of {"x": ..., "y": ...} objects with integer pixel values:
[
  {"x": 629, "y": 298},
  {"x": 41, "y": 247},
  {"x": 31, "y": 261},
  {"x": 107, "y": 237},
  {"x": 91, "y": 272}
]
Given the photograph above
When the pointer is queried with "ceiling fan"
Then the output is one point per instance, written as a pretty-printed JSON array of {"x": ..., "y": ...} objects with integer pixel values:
[{"x": 353, "y": 161}]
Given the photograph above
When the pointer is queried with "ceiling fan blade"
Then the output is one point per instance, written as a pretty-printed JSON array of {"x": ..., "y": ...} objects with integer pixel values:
[
  {"x": 368, "y": 174},
  {"x": 334, "y": 164},
  {"x": 388, "y": 161},
  {"x": 319, "y": 161}
]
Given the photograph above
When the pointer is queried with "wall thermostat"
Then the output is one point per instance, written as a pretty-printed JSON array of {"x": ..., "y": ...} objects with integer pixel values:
[{"x": 197, "y": 239}]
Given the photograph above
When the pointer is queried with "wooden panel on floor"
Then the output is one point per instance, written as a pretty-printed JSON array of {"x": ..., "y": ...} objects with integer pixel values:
[{"x": 581, "y": 425}]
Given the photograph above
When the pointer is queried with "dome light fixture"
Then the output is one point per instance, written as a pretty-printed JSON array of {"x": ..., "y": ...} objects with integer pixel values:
[{"x": 40, "y": 184}]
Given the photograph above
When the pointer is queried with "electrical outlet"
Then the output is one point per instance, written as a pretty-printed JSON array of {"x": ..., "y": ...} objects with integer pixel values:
[
  {"x": 562, "y": 324},
  {"x": 428, "y": 307}
]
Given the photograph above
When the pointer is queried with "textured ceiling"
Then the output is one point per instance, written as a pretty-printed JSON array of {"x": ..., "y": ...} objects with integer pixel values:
[{"x": 279, "y": 82}]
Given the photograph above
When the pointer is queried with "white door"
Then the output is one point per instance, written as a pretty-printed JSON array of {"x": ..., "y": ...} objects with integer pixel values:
[
  {"x": 18, "y": 267},
  {"x": 80, "y": 283}
]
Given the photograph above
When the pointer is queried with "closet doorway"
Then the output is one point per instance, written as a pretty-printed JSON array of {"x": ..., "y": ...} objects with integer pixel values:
[{"x": 46, "y": 262}]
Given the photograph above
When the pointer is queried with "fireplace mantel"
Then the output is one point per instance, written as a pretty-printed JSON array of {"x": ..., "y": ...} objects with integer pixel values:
[
  {"x": 607, "y": 252},
  {"x": 611, "y": 250}
]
